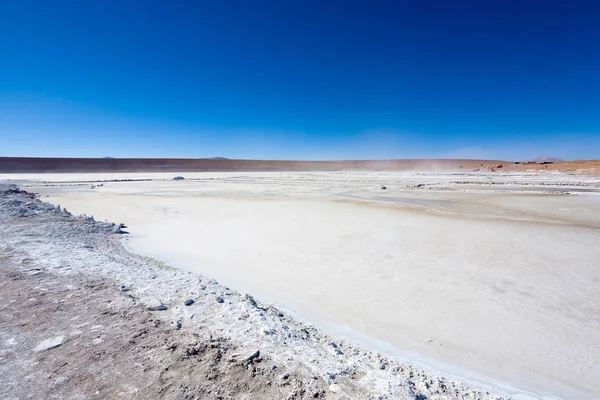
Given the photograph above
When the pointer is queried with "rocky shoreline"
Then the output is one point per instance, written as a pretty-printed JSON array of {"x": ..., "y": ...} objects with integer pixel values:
[{"x": 81, "y": 317}]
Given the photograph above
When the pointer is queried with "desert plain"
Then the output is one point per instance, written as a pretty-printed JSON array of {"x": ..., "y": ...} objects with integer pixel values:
[{"x": 486, "y": 277}]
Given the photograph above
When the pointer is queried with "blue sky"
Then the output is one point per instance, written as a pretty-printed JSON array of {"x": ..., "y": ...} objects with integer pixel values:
[{"x": 286, "y": 79}]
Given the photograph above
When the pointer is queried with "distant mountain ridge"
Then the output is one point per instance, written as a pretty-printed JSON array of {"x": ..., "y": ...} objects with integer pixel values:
[{"x": 179, "y": 165}]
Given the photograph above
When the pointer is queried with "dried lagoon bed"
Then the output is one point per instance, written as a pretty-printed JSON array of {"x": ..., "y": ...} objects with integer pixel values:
[{"x": 494, "y": 273}]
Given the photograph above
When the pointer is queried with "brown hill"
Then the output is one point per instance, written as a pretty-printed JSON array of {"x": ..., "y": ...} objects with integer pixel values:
[
  {"x": 43, "y": 165},
  {"x": 588, "y": 167},
  {"x": 54, "y": 165}
]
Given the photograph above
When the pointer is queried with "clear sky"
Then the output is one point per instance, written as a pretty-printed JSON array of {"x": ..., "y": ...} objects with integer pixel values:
[{"x": 300, "y": 79}]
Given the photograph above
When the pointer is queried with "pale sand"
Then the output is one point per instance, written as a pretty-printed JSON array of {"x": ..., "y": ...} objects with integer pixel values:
[{"x": 504, "y": 284}]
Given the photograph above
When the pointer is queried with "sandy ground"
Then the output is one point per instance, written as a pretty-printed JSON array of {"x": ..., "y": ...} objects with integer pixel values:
[{"x": 494, "y": 273}]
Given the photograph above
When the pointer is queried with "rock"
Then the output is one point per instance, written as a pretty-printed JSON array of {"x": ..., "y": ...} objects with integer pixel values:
[
  {"x": 253, "y": 357},
  {"x": 179, "y": 178},
  {"x": 60, "y": 380},
  {"x": 188, "y": 302},
  {"x": 49, "y": 344},
  {"x": 160, "y": 307},
  {"x": 118, "y": 228},
  {"x": 251, "y": 300},
  {"x": 381, "y": 366},
  {"x": 124, "y": 288},
  {"x": 383, "y": 187},
  {"x": 220, "y": 300}
]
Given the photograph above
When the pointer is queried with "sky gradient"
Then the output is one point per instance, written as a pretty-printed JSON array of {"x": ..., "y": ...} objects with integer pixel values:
[{"x": 300, "y": 79}]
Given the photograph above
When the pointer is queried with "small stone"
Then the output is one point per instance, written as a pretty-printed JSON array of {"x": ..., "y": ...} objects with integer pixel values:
[
  {"x": 60, "y": 380},
  {"x": 49, "y": 344},
  {"x": 188, "y": 302},
  {"x": 253, "y": 357},
  {"x": 35, "y": 271},
  {"x": 220, "y": 300},
  {"x": 160, "y": 307},
  {"x": 250, "y": 300},
  {"x": 118, "y": 228},
  {"x": 382, "y": 366}
]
